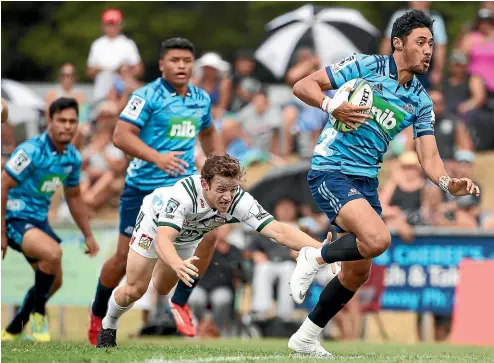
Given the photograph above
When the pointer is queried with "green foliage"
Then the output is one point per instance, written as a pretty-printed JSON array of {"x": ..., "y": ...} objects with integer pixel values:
[{"x": 55, "y": 33}]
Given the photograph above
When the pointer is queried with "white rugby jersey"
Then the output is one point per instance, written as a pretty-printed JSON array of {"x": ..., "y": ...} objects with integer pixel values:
[{"x": 184, "y": 208}]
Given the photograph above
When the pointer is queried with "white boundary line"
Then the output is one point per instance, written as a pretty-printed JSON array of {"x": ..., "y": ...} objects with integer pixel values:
[{"x": 234, "y": 358}]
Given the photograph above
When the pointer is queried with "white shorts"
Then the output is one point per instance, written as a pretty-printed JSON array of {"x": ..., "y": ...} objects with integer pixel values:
[{"x": 144, "y": 237}]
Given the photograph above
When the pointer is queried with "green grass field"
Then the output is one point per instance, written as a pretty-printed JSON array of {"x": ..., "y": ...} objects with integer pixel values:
[{"x": 177, "y": 350}]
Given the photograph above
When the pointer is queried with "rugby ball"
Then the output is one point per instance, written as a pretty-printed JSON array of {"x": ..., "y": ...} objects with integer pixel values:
[{"x": 363, "y": 95}]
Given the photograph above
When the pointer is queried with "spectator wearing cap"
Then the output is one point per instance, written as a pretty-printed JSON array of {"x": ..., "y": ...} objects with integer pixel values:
[
  {"x": 464, "y": 93},
  {"x": 434, "y": 76},
  {"x": 212, "y": 76},
  {"x": 402, "y": 196},
  {"x": 245, "y": 85},
  {"x": 109, "y": 52}
]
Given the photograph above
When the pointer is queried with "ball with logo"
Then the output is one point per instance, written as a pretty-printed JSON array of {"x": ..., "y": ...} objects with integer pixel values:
[{"x": 362, "y": 95}]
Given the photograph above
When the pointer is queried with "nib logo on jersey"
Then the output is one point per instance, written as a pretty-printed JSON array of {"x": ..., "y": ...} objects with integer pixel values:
[
  {"x": 183, "y": 128},
  {"x": 389, "y": 117},
  {"x": 50, "y": 183}
]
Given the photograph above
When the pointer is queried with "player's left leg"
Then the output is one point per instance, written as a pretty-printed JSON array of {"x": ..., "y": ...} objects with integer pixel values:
[
  {"x": 178, "y": 302},
  {"x": 334, "y": 296},
  {"x": 139, "y": 271}
]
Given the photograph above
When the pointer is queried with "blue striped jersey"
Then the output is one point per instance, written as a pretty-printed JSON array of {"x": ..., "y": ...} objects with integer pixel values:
[
  {"x": 168, "y": 122},
  {"x": 395, "y": 107},
  {"x": 39, "y": 170}
]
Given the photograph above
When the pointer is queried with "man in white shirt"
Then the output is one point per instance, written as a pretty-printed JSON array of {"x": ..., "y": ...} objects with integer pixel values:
[{"x": 109, "y": 52}]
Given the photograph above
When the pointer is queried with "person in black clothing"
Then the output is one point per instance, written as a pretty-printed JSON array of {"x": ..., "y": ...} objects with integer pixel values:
[
  {"x": 245, "y": 84},
  {"x": 401, "y": 196},
  {"x": 217, "y": 287}
]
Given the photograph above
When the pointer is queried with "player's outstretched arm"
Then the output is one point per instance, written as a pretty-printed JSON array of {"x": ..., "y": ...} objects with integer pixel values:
[
  {"x": 433, "y": 166},
  {"x": 167, "y": 252},
  {"x": 289, "y": 236},
  {"x": 7, "y": 183},
  {"x": 80, "y": 212}
]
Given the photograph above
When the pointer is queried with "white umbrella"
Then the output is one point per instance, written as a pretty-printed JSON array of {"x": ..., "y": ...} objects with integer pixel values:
[{"x": 334, "y": 33}]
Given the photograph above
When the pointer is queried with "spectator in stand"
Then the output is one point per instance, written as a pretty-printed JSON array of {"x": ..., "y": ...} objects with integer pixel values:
[
  {"x": 402, "y": 197},
  {"x": 212, "y": 76},
  {"x": 217, "y": 286},
  {"x": 301, "y": 123},
  {"x": 124, "y": 83},
  {"x": 434, "y": 76},
  {"x": 109, "y": 52},
  {"x": 464, "y": 94},
  {"x": 244, "y": 84},
  {"x": 103, "y": 164},
  {"x": 253, "y": 134},
  {"x": 273, "y": 263},
  {"x": 67, "y": 83},
  {"x": 450, "y": 131},
  {"x": 479, "y": 46},
  {"x": 8, "y": 142}
]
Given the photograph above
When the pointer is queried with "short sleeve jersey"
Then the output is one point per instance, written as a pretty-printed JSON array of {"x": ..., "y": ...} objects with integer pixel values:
[
  {"x": 39, "y": 170},
  {"x": 395, "y": 107},
  {"x": 167, "y": 122}
]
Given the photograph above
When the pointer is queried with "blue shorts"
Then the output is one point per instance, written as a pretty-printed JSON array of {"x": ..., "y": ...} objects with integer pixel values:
[
  {"x": 16, "y": 229},
  {"x": 130, "y": 204},
  {"x": 332, "y": 190}
]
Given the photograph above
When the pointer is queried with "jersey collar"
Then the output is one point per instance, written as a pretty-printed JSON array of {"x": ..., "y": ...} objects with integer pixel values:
[
  {"x": 393, "y": 72},
  {"x": 172, "y": 89},
  {"x": 51, "y": 146}
]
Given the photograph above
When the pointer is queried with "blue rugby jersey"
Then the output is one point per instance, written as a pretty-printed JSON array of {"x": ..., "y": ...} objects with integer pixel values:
[
  {"x": 168, "y": 122},
  {"x": 39, "y": 170},
  {"x": 395, "y": 107}
]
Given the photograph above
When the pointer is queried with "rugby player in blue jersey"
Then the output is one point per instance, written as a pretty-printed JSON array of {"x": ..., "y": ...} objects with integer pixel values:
[
  {"x": 35, "y": 170},
  {"x": 158, "y": 128},
  {"x": 343, "y": 175}
]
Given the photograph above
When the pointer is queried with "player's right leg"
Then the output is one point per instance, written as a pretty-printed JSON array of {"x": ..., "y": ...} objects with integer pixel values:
[
  {"x": 352, "y": 204},
  {"x": 139, "y": 273},
  {"x": 39, "y": 246},
  {"x": 113, "y": 269}
]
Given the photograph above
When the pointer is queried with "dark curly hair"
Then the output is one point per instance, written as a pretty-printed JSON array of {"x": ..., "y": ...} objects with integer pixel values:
[
  {"x": 223, "y": 165},
  {"x": 403, "y": 26}
]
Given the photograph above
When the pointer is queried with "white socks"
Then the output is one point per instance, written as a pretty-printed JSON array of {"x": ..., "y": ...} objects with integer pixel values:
[
  {"x": 114, "y": 313},
  {"x": 309, "y": 331}
]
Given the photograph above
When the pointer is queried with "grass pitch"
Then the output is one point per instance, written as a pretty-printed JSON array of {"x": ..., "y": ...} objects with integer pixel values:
[{"x": 178, "y": 350}]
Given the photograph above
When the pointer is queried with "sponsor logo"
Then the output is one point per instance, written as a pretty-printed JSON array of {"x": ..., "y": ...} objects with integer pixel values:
[
  {"x": 134, "y": 107},
  {"x": 353, "y": 191},
  {"x": 129, "y": 229},
  {"x": 68, "y": 169},
  {"x": 365, "y": 97},
  {"x": 28, "y": 226},
  {"x": 344, "y": 63},
  {"x": 50, "y": 183},
  {"x": 19, "y": 162},
  {"x": 258, "y": 212},
  {"x": 15, "y": 205},
  {"x": 169, "y": 216},
  {"x": 387, "y": 116},
  {"x": 409, "y": 108},
  {"x": 145, "y": 241},
  {"x": 172, "y": 206},
  {"x": 202, "y": 203},
  {"x": 433, "y": 120},
  {"x": 183, "y": 128},
  {"x": 132, "y": 240},
  {"x": 378, "y": 88}
]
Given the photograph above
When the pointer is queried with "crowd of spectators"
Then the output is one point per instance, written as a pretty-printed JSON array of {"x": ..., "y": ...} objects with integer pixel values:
[{"x": 257, "y": 130}]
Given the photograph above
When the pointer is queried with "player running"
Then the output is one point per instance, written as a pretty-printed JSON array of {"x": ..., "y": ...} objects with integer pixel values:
[
  {"x": 158, "y": 128},
  {"x": 31, "y": 176},
  {"x": 173, "y": 221},
  {"x": 343, "y": 175}
]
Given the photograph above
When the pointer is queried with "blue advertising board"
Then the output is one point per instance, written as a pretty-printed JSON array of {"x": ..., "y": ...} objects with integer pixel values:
[{"x": 422, "y": 275}]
